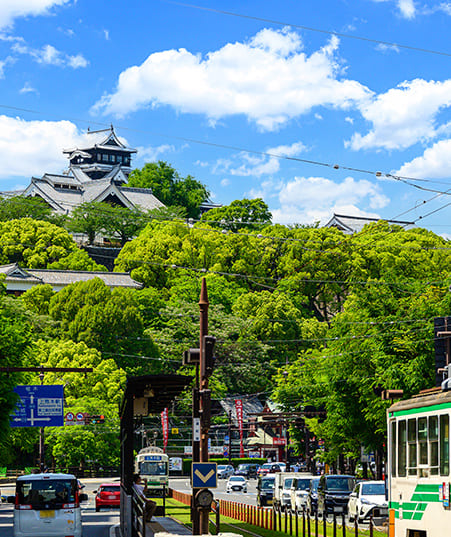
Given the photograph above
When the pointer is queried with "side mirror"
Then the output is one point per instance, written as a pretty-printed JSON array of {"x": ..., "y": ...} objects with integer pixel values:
[{"x": 83, "y": 497}]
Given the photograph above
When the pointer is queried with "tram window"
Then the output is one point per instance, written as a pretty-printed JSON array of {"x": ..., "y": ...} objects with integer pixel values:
[
  {"x": 433, "y": 444},
  {"x": 402, "y": 448},
  {"x": 412, "y": 445},
  {"x": 444, "y": 444},
  {"x": 423, "y": 441},
  {"x": 393, "y": 448}
]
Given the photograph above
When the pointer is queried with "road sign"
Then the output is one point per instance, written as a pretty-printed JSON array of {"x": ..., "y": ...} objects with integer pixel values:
[
  {"x": 39, "y": 406},
  {"x": 69, "y": 416},
  {"x": 203, "y": 475}
]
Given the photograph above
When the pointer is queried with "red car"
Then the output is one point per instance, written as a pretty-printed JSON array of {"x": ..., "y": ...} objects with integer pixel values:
[{"x": 108, "y": 495}]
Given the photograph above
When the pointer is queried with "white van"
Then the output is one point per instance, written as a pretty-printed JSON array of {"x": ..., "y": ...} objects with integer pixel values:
[
  {"x": 282, "y": 488},
  {"x": 299, "y": 493},
  {"x": 47, "y": 505}
]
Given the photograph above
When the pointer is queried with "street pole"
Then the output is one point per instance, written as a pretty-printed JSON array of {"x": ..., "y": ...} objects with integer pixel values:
[
  {"x": 205, "y": 394},
  {"x": 41, "y": 435},
  {"x": 229, "y": 413}
]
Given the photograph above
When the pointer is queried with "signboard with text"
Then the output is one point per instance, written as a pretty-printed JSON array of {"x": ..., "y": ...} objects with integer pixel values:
[{"x": 39, "y": 406}]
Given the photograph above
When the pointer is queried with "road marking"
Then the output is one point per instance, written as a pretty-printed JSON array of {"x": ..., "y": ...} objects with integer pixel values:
[{"x": 205, "y": 478}]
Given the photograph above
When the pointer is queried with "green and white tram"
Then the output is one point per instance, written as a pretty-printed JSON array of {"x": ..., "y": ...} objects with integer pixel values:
[
  {"x": 418, "y": 465},
  {"x": 153, "y": 465}
]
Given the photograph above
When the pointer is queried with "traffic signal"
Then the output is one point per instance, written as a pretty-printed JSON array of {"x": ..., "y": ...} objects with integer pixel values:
[
  {"x": 191, "y": 356},
  {"x": 210, "y": 358}
]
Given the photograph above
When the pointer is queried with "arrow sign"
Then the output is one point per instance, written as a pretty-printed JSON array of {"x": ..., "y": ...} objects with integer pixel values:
[
  {"x": 39, "y": 406},
  {"x": 204, "y": 474}
]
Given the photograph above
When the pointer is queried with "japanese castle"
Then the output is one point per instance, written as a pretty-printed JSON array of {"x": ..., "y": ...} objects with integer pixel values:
[{"x": 96, "y": 173}]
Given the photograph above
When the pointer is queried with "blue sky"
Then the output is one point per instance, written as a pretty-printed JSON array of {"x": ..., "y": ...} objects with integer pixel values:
[{"x": 280, "y": 100}]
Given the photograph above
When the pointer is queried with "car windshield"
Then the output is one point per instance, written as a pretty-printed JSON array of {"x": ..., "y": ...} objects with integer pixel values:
[
  {"x": 110, "y": 488},
  {"x": 51, "y": 493},
  {"x": 267, "y": 483},
  {"x": 267, "y": 465},
  {"x": 153, "y": 468},
  {"x": 315, "y": 483},
  {"x": 340, "y": 483},
  {"x": 222, "y": 467},
  {"x": 243, "y": 467},
  {"x": 237, "y": 478},
  {"x": 303, "y": 484},
  {"x": 371, "y": 489},
  {"x": 287, "y": 482}
]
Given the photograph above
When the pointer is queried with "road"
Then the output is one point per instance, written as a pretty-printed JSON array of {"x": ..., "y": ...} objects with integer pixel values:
[
  {"x": 94, "y": 524},
  {"x": 250, "y": 498}
]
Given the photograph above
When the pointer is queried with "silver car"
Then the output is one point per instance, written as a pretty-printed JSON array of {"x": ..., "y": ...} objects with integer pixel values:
[{"x": 225, "y": 471}]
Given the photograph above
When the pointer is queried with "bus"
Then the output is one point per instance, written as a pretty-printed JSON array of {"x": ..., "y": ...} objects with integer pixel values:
[
  {"x": 152, "y": 464},
  {"x": 418, "y": 465}
]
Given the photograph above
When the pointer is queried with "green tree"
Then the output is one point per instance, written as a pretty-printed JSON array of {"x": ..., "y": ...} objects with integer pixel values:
[
  {"x": 87, "y": 218},
  {"x": 97, "y": 393},
  {"x": 38, "y": 244},
  {"x": 16, "y": 336},
  {"x": 21, "y": 207},
  {"x": 108, "y": 320},
  {"x": 122, "y": 223},
  {"x": 169, "y": 187},
  {"x": 240, "y": 214}
]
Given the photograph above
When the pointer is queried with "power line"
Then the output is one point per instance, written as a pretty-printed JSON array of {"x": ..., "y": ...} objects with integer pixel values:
[
  {"x": 310, "y": 29},
  {"x": 335, "y": 166}
]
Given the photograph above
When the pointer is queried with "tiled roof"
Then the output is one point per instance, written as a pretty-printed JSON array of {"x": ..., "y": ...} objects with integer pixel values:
[
  {"x": 354, "y": 224},
  {"x": 61, "y": 278}
]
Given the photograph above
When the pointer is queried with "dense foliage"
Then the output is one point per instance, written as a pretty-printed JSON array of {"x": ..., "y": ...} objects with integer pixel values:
[
  {"x": 169, "y": 187},
  {"x": 307, "y": 316}
]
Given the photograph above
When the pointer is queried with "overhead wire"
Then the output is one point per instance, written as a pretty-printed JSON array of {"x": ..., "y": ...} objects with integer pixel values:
[{"x": 310, "y": 28}]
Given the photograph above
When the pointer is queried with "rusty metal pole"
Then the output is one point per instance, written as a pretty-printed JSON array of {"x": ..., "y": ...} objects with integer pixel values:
[{"x": 205, "y": 399}]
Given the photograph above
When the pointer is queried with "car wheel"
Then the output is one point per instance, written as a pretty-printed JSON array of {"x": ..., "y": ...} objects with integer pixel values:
[
  {"x": 350, "y": 518},
  {"x": 97, "y": 509}
]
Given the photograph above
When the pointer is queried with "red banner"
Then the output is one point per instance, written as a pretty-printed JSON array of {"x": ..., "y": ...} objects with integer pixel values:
[
  {"x": 239, "y": 417},
  {"x": 165, "y": 427}
]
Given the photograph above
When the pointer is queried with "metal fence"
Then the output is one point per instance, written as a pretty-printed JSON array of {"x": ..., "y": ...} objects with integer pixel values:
[{"x": 295, "y": 523}]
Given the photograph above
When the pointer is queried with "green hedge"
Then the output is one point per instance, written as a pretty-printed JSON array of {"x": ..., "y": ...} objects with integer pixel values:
[{"x": 235, "y": 462}]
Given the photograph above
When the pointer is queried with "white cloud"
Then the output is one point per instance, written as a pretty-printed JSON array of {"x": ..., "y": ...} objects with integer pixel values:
[
  {"x": 12, "y": 9},
  {"x": 152, "y": 154},
  {"x": 434, "y": 163},
  {"x": 77, "y": 61},
  {"x": 225, "y": 182},
  {"x": 404, "y": 115},
  {"x": 49, "y": 55},
  {"x": 106, "y": 34},
  {"x": 248, "y": 164},
  {"x": 407, "y": 8},
  {"x": 269, "y": 79},
  {"x": 27, "y": 88},
  {"x": 34, "y": 147},
  {"x": 311, "y": 199},
  {"x": 3, "y": 63}
]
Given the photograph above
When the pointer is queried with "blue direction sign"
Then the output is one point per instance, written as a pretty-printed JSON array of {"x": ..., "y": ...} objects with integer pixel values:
[
  {"x": 204, "y": 475},
  {"x": 39, "y": 406}
]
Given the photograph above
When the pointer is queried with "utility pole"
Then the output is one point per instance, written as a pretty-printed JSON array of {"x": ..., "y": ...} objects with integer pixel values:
[
  {"x": 205, "y": 393},
  {"x": 42, "y": 370},
  {"x": 203, "y": 359}
]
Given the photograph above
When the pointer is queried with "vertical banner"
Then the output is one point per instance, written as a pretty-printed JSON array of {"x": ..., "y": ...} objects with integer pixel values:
[
  {"x": 239, "y": 417},
  {"x": 165, "y": 427}
]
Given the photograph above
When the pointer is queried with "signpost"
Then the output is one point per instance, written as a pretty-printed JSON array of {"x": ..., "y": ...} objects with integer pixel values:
[{"x": 39, "y": 406}]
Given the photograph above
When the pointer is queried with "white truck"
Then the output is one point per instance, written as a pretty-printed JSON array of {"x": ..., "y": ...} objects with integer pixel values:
[{"x": 282, "y": 486}]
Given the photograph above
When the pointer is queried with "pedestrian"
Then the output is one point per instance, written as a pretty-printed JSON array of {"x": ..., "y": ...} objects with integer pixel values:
[{"x": 149, "y": 505}]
